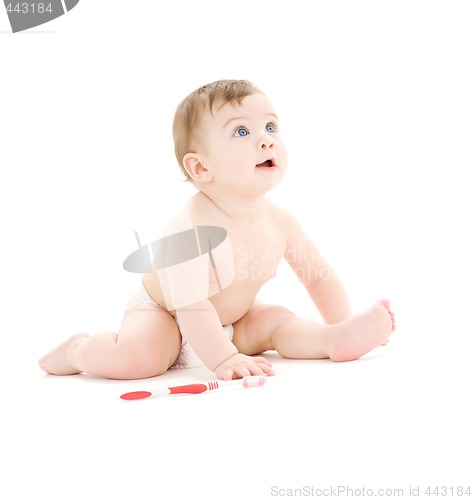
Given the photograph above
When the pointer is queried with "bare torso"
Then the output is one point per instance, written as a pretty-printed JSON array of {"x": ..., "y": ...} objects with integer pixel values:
[{"x": 258, "y": 245}]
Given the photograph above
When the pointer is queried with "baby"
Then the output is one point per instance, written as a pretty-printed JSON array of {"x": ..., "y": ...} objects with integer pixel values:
[{"x": 197, "y": 303}]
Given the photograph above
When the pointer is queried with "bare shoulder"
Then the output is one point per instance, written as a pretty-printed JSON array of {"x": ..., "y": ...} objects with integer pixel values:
[
  {"x": 198, "y": 205},
  {"x": 277, "y": 211},
  {"x": 296, "y": 236},
  {"x": 204, "y": 211},
  {"x": 282, "y": 217}
]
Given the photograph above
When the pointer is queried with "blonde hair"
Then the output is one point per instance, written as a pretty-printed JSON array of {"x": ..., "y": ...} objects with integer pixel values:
[{"x": 190, "y": 110}]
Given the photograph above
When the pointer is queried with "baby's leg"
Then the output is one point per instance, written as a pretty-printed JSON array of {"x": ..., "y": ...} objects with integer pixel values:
[
  {"x": 147, "y": 344},
  {"x": 273, "y": 327}
]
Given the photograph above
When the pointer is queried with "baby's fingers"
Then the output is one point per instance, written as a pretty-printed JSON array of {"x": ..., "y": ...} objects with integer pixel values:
[
  {"x": 265, "y": 366},
  {"x": 265, "y": 370},
  {"x": 236, "y": 372},
  {"x": 247, "y": 370},
  {"x": 260, "y": 359}
]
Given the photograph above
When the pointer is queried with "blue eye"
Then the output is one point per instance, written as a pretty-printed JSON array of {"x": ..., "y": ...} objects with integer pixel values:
[
  {"x": 241, "y": 132},
  {"x": 270, "y": 128}
]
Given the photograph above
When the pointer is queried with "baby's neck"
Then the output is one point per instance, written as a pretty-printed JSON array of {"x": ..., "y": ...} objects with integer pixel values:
[{"x": 237, "y": 209}]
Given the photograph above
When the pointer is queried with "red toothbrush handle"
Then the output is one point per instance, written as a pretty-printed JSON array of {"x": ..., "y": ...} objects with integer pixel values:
[{"x": 188, "y": 389}]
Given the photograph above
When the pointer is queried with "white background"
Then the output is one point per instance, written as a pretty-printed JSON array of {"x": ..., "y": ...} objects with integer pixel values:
[{"x": 376, "y": 109}]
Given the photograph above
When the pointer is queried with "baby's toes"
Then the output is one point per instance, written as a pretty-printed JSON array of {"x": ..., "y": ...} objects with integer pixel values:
[
  {"x": 387, "y": 304},
  {"x": 393, "y": 320}
]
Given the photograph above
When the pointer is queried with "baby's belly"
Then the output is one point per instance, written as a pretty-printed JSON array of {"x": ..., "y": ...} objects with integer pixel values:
[{"x": 231, "y": 303}]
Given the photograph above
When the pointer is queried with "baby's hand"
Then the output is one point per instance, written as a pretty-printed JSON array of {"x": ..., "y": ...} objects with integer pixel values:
[{"x": 240, "y": 365}]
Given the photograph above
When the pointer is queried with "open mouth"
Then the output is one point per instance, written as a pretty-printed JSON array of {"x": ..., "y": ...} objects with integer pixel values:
[{"x": 266, "y": 164}]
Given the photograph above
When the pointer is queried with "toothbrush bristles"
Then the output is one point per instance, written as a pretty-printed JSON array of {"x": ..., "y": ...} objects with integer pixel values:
[{"x": 253, "y": 381}]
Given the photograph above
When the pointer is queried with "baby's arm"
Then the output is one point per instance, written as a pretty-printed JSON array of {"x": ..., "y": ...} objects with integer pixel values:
[
  {"x": 200, "y": 325},
  {"x": 322, "y": 284}
]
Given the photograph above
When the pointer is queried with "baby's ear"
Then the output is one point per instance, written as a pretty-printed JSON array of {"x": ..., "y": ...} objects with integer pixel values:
[{"x": 195, "y": 168}]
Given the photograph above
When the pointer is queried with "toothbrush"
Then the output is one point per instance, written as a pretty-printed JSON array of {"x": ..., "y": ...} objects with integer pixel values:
[{"x": 244, "y": 383}]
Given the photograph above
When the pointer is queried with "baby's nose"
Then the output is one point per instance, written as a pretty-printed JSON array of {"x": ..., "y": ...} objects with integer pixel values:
[{"x": 266, "y": 142}]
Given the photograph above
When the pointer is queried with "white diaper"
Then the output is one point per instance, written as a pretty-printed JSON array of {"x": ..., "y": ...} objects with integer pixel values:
[{"x": 187, "y": 357}]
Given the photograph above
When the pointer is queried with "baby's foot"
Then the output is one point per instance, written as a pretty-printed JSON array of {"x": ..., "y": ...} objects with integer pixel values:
[
  {"x": 360, "y": 334},
  {"x": 56, "y": 361}
]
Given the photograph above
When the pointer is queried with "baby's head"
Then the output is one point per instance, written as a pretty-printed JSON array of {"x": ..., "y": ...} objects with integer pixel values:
[{"x": 187, "y": 119}]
